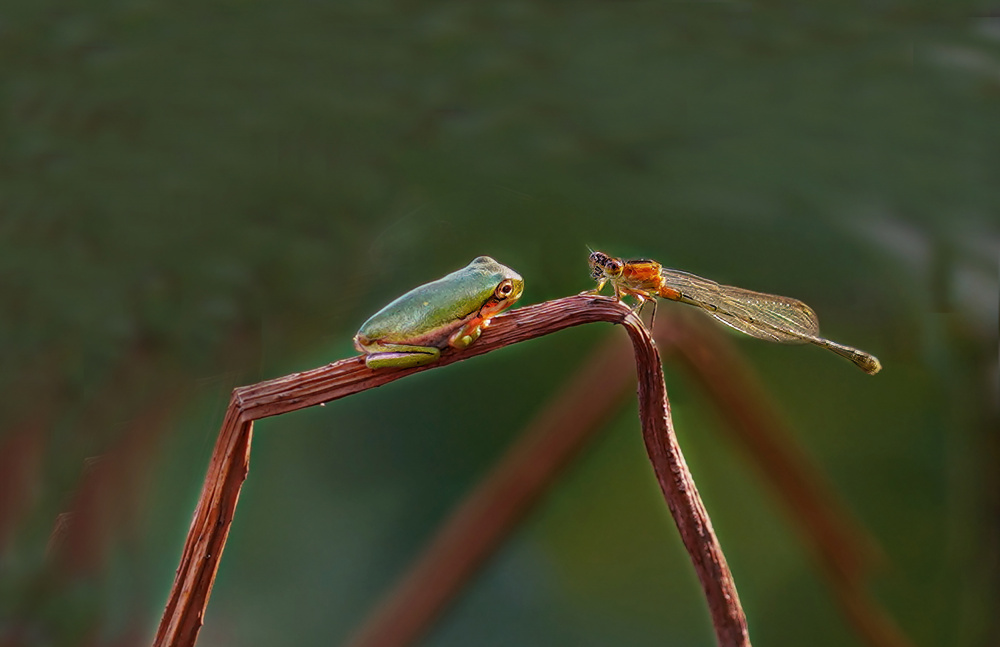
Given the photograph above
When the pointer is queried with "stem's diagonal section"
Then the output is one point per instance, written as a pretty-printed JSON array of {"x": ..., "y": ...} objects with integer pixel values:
[{"x": 682, "y": 495}]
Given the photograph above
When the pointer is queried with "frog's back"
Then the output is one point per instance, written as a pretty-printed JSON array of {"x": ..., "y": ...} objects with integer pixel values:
[{"x": 421, "y": 314}]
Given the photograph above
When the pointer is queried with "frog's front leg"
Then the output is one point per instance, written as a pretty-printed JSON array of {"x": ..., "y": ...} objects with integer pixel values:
[
  {"x": 464, "y": 336},
  {"x": 383, "y": 355}
]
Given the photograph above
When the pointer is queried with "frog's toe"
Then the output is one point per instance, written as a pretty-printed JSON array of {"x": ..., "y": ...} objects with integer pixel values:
[
  {"x": 361, "y": 342},
  {"x": 464, "y": 337}
]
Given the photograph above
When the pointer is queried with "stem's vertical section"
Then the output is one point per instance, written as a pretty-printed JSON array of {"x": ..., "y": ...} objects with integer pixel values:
[
  {"x": 199, "y": 563},
  {"x": 681, "y": 494}
]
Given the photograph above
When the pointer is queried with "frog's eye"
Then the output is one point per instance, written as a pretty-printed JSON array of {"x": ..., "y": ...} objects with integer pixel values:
[{"x": 505, "y": 289}]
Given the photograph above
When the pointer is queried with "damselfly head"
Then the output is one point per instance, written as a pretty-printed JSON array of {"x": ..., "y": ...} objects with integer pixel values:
[{"x": 603, "y": 266}]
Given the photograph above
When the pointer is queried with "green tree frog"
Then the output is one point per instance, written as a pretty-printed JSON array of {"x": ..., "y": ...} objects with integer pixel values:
[{"x": 451, "y": 311}]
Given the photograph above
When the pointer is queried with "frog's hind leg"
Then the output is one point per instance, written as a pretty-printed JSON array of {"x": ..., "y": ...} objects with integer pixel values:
[{"x": 400, "y": 355}]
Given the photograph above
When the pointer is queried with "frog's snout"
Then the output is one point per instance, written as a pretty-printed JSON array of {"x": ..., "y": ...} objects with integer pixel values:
[
  {"x": 518, "y": 290},
  {"x": 361, "y": 342}
]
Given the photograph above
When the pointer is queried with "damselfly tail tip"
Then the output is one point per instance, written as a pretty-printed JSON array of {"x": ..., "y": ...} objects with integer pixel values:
[{"x": 867, "y": 363}]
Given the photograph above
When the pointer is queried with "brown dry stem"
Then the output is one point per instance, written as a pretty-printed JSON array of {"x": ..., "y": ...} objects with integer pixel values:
[{"x": 185, "y": 609}]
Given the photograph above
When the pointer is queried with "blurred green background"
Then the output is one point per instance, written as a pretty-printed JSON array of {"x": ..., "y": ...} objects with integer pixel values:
[{"x": 199, "y": 195}]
